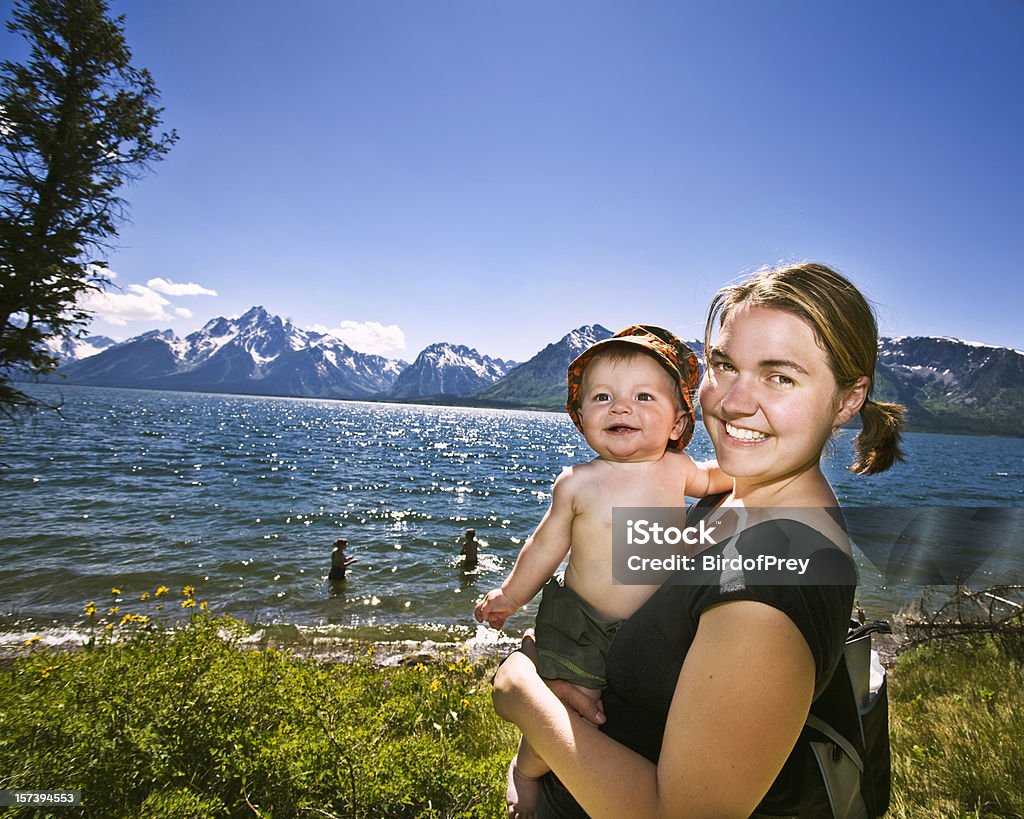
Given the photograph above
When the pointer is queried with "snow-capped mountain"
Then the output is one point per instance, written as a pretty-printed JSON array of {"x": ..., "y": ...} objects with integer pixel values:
[
  {"x": 257, "y": 353},
  {"x": 540, "y": 382},
  {"x": 955, "y": 365},
  {"x": 73, "y": 349},
  {"x": 448, "y": 369}
]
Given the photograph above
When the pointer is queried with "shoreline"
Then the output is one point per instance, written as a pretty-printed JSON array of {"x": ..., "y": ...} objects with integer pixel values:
[
  {"x": 303, "y": 644},
  {"x": 398, "y": 653},
  {"x": 434, "y": 644}
]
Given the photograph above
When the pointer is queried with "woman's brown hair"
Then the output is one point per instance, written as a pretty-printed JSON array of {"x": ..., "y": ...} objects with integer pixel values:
[{"x": 845, "y": 327}]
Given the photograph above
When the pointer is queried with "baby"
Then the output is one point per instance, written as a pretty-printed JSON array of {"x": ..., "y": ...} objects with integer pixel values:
[{"x": 631, "y": 396}]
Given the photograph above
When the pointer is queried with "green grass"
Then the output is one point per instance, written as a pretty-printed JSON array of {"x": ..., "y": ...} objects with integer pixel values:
[
  {"x": 957, "y": 732},
  {"x": 182, "y": 723}
]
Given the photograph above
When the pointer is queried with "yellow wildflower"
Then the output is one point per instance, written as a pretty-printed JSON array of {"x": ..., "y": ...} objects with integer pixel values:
[
  {"x": 143, "y": 618},
  {"x": 435, "y": 685},
  {"x": 188, "y": 591},
  {"x": 204, "y": 606},
  {"x": 187, "y": 604},
  {"x": 113, "y": 610},
  {"x": 90, "y": 609},
  {"x": 109, "y": 627},
  {"x": 161, "y": 590},
  {"x": 144, "y": 596},
  {"x": 31, "y": 641},
  {"x": 115, "y": 592}
]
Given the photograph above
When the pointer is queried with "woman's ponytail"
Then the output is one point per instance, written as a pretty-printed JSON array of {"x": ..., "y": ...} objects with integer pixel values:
[{"x": 878, "y": 443}]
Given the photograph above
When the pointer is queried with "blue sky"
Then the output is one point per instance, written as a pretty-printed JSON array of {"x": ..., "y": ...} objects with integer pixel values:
[{"x": 497, "y": 173}]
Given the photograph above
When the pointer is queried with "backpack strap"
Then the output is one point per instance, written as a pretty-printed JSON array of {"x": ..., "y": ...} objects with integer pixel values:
[
  {"x": 860, "y": 630},
  {"x": 818, "y": 724},
  {"x": 836, "y": 706}
]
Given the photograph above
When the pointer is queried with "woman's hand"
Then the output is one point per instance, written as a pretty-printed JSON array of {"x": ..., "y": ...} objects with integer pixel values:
[{"x": 590, "y": 709}]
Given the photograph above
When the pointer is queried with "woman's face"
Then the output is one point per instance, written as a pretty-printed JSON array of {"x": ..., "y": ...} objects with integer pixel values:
[{"x": 769, "y": 398}]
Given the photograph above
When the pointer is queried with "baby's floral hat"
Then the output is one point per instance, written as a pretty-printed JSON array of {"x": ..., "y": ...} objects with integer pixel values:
[{"x": 674, "y": 355}]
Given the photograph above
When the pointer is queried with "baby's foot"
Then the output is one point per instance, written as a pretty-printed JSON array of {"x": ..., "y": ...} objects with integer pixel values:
[{"x": 521, "y": 793}]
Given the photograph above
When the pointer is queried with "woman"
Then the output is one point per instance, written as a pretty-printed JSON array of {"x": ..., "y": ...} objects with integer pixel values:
[{"x": 710, "y": 682}]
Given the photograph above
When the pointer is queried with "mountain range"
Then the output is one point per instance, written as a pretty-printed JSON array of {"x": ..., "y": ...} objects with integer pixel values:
[
  {"x": 955, "y": 386},
  {"x": 948, "y": 385},
  {"x": 257, "y": 354}
]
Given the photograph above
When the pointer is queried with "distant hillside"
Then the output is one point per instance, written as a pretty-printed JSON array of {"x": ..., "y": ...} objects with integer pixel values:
[{"x": 955, "y": 386}]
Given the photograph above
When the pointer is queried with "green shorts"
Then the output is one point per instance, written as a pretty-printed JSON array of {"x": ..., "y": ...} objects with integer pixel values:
[{"x": 572, "y": 639}]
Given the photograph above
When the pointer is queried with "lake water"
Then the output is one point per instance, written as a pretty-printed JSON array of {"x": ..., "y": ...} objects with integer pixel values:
[{"x": 242, "y": 497}]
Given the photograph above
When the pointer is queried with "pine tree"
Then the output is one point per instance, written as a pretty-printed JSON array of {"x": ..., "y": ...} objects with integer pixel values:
[{"x": 77, "y": 121}]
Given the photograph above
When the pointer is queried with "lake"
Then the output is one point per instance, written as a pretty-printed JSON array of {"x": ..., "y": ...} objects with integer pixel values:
[{"x": 242, "y": 497}]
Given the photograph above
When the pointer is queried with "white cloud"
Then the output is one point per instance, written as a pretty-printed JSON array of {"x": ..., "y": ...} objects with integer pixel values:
[
  {"x": 169, "y": 288},
  {"x": 138, "y": 304},
  {"x": 369, "y": 336},
  {"x": 99, "y": 270}
]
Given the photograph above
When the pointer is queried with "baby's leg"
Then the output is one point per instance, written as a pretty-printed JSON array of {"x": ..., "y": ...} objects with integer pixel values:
[{"x": 522, "y": 789}]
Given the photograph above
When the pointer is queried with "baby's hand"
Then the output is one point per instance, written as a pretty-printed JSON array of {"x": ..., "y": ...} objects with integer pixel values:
[{"x": 495, "y": 608}]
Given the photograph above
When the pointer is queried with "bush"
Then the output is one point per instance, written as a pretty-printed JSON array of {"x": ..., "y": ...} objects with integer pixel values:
[{"x": 183, "y": 723}]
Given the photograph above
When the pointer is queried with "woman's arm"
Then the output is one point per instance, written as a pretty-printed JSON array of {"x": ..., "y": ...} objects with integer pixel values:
[{"x": 739, "y": 705}]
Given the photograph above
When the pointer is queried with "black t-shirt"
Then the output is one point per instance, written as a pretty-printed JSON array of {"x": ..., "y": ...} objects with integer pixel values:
[{"x": 647, "y": 654}]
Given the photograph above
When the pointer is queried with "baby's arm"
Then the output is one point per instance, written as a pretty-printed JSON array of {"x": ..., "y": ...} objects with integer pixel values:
[
  {"x": 707, "y": 478},
  {"x": 543, "y": 551}
]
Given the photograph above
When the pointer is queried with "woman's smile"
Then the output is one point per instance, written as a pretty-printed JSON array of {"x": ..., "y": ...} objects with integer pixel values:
[{"x": 746, "y": 435}]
